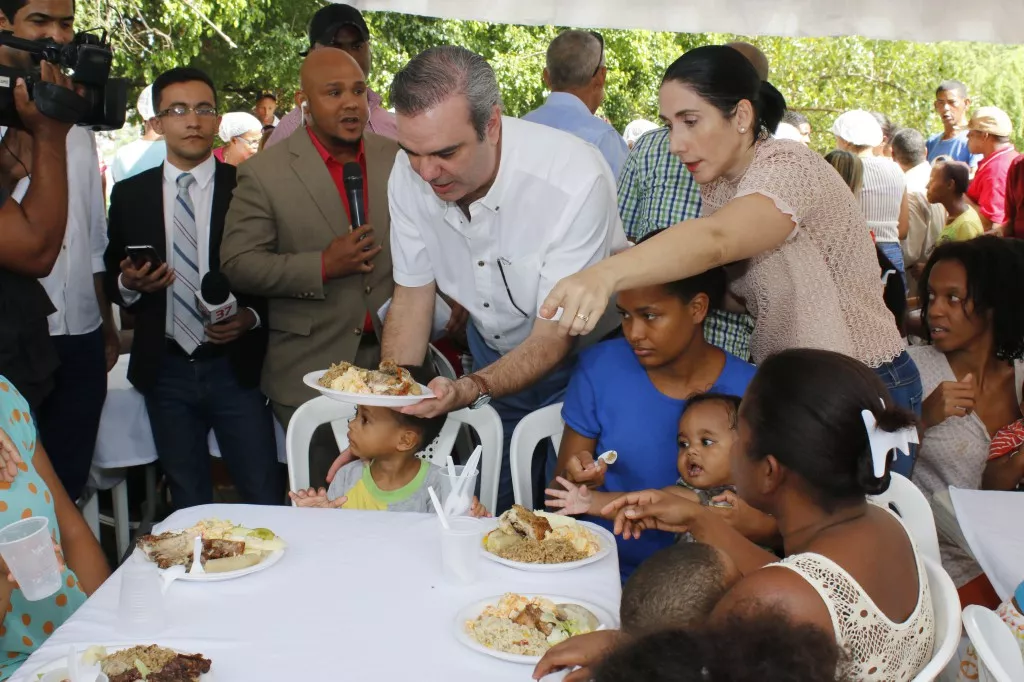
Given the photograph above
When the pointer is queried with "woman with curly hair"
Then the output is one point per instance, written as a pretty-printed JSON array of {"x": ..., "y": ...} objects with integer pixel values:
[{"x": 972, "y": 376}]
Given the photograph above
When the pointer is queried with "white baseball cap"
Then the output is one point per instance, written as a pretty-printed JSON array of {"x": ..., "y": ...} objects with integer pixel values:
[
  {"x": 145, "y": 104},
  {"x": 859, "y": 128}
]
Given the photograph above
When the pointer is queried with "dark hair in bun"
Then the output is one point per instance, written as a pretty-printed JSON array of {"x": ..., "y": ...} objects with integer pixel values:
[
  {"x": 804, "y": 407},
  {"x": 724, "y": 77}
]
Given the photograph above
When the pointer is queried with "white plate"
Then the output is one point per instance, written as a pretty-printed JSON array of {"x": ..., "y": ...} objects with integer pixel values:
[
  {"x": 267, "y": 562},
  {"x": 62, "y": 662},
  {"x": 604, "y": 537},
  {"x": 365, "y": 398},
  {"x": 474, "y": 610}
]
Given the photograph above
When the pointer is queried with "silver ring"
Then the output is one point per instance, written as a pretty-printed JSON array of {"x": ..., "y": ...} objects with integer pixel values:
[{"x": 585, "y": 318}]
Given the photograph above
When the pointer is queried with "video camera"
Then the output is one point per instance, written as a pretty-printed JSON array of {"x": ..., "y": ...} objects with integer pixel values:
[{"x": 104, "y": 100}]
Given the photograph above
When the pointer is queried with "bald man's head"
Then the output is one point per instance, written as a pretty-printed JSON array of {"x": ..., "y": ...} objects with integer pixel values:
[
  {"x": 754, "y": 56},
  {"x": 334, "y": 97}
]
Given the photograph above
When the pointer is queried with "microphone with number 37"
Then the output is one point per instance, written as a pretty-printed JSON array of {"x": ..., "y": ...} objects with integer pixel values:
[{"x": 215, "y": 301}]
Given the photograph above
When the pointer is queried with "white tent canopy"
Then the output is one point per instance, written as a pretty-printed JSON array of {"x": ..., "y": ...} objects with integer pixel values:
[{"x": 999, "y": 21}]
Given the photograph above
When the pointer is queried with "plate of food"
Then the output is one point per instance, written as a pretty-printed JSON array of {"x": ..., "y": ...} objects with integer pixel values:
[
  {"x": 229, "y": 551},
  {"x": 130, "y": 663},
  {"x": 387, "y": 386},
  {"x": 521, "y": 628},
  {"x": 539, "y": 541}
]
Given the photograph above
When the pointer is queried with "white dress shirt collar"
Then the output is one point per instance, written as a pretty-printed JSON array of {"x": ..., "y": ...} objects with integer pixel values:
[{"x": 203, "y": 173}]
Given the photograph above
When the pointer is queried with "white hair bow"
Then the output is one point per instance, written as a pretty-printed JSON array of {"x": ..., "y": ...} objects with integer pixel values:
[{"x": 884, "y": 442}]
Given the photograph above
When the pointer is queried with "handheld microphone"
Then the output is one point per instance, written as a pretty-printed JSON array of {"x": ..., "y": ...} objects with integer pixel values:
[
  {"x": 353, "y": 175},
  {"x": 215, "y": 301}
]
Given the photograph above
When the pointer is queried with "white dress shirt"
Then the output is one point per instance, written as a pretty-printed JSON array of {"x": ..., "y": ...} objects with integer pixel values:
[
  {"x": 201, "y": 193},
  {"x": 70, "y": 284},
  {"x": 550, "y": 213}
]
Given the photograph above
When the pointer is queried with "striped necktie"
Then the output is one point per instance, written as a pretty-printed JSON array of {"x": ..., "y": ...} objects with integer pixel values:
[{"x": 189, "y": 331}]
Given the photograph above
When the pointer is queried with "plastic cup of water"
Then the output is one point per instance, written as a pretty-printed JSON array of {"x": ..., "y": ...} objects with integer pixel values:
[
  {"x": 460, "y": 549},
  {"x": 141, "y": 608},
  {"x": 27, "y": 548},
  {"x": 467, "y": 493}
]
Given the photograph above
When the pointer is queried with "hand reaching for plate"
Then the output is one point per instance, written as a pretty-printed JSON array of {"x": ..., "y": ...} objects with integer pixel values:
[
  {"x": 316, "y": 498},
  {"x": 575, "y": 499}
]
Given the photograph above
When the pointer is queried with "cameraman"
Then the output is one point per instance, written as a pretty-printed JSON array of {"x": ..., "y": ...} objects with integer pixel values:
[
  {"x": 31, "y": 234},
  {"x": 80, "y": 324}
]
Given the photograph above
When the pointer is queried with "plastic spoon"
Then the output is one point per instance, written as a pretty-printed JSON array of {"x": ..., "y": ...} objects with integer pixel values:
[
  {"x": 170, "y": 575},
  {"x": 458, "y": 501},
  {"x": 451, "y": 468},
  {"x": 608, "y": 457},
  {"x": 197, "y": 557},
  {"x": 437, "y": 507}
]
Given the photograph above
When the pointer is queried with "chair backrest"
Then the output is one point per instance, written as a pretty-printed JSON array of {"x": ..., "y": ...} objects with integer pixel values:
[
  {"x": 304, "y": 422},
  {"x": 946, "y": 604},
  {"x": 999, "y": 655},
  {"x": 531, "y": 430},
  {"x": 441, "y": 364},
  {"x": 904, "y": 498},
  {"x": 485, "y": 421}
]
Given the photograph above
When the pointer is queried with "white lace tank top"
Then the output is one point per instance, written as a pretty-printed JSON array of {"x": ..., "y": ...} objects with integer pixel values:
[{"x": 877, "y": 649}]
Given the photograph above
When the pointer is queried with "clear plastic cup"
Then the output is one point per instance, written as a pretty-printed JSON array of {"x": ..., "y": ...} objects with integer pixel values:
[
  {"x": 141, "y": 608},
  {"x": 64, "y": 675},
  {"x": 460, "y": 549},
  {"x": 27, "y": 548},
  {"x": 466, "y": 495}
]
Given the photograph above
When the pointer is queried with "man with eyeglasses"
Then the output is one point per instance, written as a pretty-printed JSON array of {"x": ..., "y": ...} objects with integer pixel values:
[
  {"x": 165, "y": 232},
  {"x": 575, "y": 74},
  {"x": 80, "y": 323},
  {"x": 343, "y": 27}
]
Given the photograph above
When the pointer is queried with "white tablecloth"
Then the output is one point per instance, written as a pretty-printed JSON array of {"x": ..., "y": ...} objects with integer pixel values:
[
  {"x": 991, "y": 522},
  {"x": 357, "y": 596},
  {"x": 125, "y": 437}
]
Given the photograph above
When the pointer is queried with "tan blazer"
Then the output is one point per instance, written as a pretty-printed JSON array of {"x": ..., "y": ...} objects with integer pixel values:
[{"x": 285, "y": 211}]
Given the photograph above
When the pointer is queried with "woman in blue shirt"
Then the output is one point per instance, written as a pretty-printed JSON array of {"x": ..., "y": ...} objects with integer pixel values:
[{"x": 628, "y": 394}]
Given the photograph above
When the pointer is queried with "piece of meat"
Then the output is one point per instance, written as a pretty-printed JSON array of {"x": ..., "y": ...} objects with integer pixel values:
[
  {"x": 531, "y": 617},
  {"x": 528, "y": 524},
  {"x": 168, "y": 549},
  {"x": 222, "y": 549},
  {"x": 130, "y": 675},
  {"x": 183, "y": 668}
]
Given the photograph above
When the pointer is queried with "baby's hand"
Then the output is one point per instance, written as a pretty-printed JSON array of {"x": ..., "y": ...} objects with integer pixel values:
[
  {"x": 478, "y": 511},
  {"x": 573, "y": 500},
  {"x": 316, "y": 498}
]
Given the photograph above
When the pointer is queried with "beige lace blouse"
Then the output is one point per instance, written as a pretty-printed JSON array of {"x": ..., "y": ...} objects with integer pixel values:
[
  {"x": 822, "y": 287},
  {"x": 877, "y": 648}
]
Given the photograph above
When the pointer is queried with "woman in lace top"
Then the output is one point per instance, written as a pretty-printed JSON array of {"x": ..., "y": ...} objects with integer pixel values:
[
  {"x": 972, "y": 374},
  {"x": 811, "y": 275},
  {"x": 804, "y": 457}
]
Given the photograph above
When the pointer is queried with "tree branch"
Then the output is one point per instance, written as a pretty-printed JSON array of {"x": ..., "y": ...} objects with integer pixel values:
[{"x": 222, "y": 34}]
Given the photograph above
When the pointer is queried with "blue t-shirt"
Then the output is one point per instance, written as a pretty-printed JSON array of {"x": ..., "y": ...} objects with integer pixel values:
[
  {"x": 955, "y": 148},
  {"x": 610, "y": 398}
]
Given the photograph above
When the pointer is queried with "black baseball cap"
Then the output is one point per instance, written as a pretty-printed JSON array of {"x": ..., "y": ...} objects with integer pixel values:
[{"x": 329, "y": 19}]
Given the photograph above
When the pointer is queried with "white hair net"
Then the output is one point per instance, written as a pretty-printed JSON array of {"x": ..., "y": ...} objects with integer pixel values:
[
  {"x": 238, "y": 123},
  {"x": 145, "y": 104},
  {"x": 637, "y": 128},
  {"x": 787, "y": 131}
]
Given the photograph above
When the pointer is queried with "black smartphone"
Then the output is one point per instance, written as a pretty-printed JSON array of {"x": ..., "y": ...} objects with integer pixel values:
[{"x": 142, "y": 254}]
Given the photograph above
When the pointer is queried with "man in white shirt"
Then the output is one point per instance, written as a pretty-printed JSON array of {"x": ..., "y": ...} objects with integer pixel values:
[
  {"x": 82, "y": 327},
  {"x": 575, "y": 74},
  {"x": 926, "y": 220},
  {"x": 493, "y": 211},
  {"x": 144, "y": 153},
  {"x": 196, "y": 376}
]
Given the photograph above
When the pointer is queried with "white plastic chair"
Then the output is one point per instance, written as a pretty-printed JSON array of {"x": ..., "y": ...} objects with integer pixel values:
[
  {"x": 485, "y": 421},
  {"x": 999, "y": 656},
  {"x": 946, "y": 604},
  {"x": 443, "y": 368},
  {"x": 904, "y": 498},
  {"x": 531, "y": 430}
]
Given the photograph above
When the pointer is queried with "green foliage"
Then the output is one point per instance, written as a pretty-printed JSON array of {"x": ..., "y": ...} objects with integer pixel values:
[{"x": 820, "y": 77}]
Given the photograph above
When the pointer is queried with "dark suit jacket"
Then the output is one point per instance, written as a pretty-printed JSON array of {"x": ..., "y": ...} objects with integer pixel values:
[{"x": 137, "y": 217}]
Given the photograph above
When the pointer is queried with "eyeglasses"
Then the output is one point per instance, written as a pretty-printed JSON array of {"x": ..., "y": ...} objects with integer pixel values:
[
  {"x": 180, "y": 111},
  {"x": 501, "y": 268},
  {"x": 253, "y": 144},
  {"x": 600, "y": 62}
]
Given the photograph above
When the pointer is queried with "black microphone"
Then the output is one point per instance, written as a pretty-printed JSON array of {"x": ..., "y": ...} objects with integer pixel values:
[
  {"x": 215, "y": 300},
  {"x": 353, "y": 175}
]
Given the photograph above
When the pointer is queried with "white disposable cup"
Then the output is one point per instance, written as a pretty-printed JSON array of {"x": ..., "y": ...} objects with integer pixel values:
[
  {"x": 64, "y": 674},
  {"x": 468, "y": 489},
  {"x": 27, "y": 548},
  {"x": 460, "y": 549},
  {"x": 141, "y": 608}
]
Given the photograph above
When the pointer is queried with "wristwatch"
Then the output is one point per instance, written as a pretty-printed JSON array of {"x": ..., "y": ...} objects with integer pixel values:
[{"x": 485, "y": 391}]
